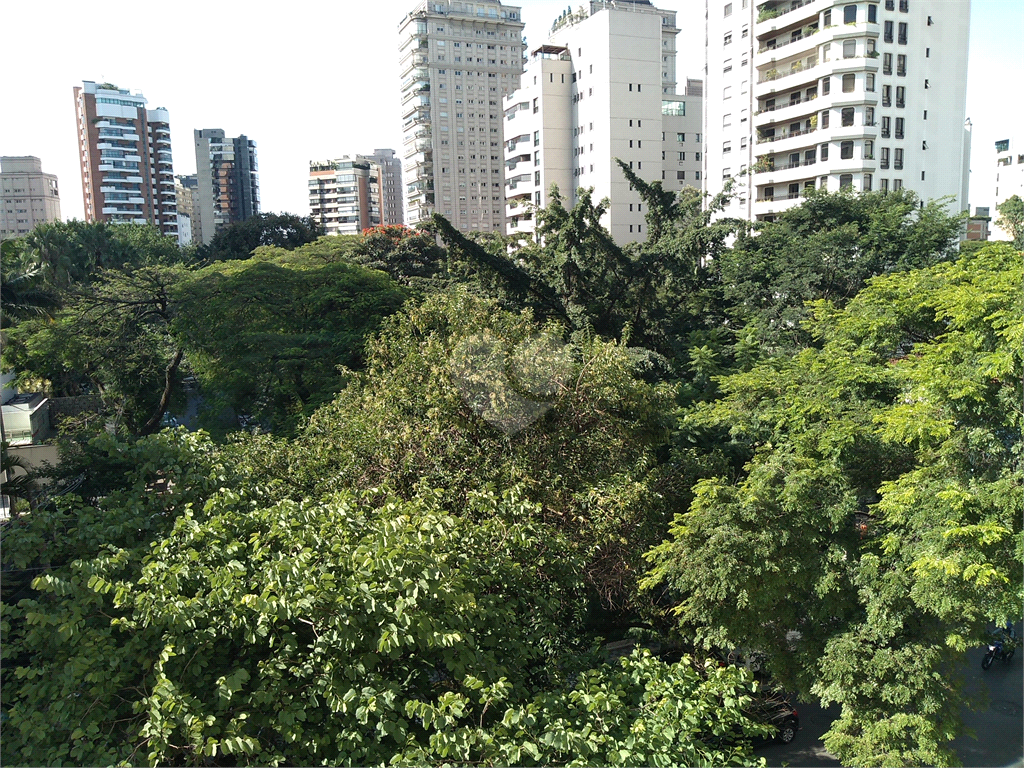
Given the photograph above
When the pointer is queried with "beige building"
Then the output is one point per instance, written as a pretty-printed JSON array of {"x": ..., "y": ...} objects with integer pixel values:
[
  {"x": 125, "y": 153},
  {"x": 458, "y": 60},
  {"x": 190, "y": 228},
  {"x": 347, "y": 195},
  {"x": 27, "y": 196}
]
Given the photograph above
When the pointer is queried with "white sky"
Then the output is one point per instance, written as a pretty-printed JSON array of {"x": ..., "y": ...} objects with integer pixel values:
[{"x": 310, "y": 79}]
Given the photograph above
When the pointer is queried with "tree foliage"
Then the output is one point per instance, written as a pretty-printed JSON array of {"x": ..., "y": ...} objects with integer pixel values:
[
  {"x": 280, "y": 230},
  {"x": 871, "y": 531},
  {"x": 1011, "y": 219}
]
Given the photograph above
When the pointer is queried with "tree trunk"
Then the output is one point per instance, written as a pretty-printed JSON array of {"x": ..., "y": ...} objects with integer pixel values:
[{"x": 153, "y": 424}]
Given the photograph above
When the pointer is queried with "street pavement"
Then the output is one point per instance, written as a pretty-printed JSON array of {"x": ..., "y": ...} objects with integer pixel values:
[{"x": 993, "y": 718}]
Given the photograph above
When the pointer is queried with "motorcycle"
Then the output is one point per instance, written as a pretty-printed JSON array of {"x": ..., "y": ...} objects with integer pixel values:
[{"x": 1001, "y": 648}]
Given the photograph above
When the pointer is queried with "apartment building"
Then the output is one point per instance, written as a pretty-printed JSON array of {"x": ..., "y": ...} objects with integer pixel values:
[
  {"x": 835, "y": 94},
  {"x": 1009, "y": 178},
  {"x": 28, "y": 196},
  {"x": 602, "y": 88},
  {"x": 186, "y": 198},
  {"x": 458, "y": 61},
  {"x": 393, "y": 203},
  {"x": 347, "y": 195},
  {"x": 125, "y": 156},
  {"x": 228, "y": 188}
]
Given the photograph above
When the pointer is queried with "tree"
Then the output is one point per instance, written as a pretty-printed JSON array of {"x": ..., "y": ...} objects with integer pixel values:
[
  {"x": 280, "y": 230},
  {"x": 406, "y": 255},
  {"x": 867, "y": 534},
  {"x": 266, "y": 336},
  {"x": 826, "y": 248},
  {"x": 25, "y": 295},
  {"x": 1011, "y": 219},
  {"x": 458, "y": 394}
]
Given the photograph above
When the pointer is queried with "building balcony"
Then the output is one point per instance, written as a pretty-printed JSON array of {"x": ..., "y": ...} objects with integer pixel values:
[
  {"x": 807, "y": 42},
  {"x": 786, "y": 141},
  {"x": 791, "y": 76},
  {"x": 790, "y": 111},
  {"x": 774, "y": 16}
]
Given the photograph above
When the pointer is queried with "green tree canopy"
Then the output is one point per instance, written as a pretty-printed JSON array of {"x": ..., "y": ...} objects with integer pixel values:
[
  {"x": 280, "y": 230},
  {"x": 872, "y": 529}
]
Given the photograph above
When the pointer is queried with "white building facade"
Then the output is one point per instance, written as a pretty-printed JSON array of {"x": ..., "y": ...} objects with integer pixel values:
[
  {"x": 833, "y": 94},
  {"x": 457, "y": 60},
  {"x": 1009, "y": 179},
  {"x": 602, "y": 88}
]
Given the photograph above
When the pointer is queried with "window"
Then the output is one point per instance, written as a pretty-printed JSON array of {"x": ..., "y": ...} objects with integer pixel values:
[
  {"x": 899, "y": 127},
  {"x": 846, "y": 150},
  {"x": 728, "y": 9},
  {"x": 726, "y": 147},
  {"x": 901, "y": 96},
  {"x": 902, "y": 39},
  {"x": 886, "y": 95},
  {"x": 849, "y": 49},
  {"x": 680, "y": 175},
  {"x": 869, "y": 115},
  {"x": 828, "y": 18},
  {"x": 824, "y": 152},
  {"x": 897, "y": 159},
  {"x": 930, "y": 22},
  {"x": 886, "y": 127},
  {"x": 926, "y": 84},
  {"x": 680, "y": 137},
  {"x": 824, "y": 118},
  {"x": 922, "y": 175},
  {"x": 849, "y": 81},
  {"x": 849, "y": 14},
  {"x": 826, "y": 85},
  {"x": 883, "y": 185},
  {"x": 883, "y": 160},
  {"x": 869, "y": 150},
  {"x": 873, "y": 14},
  {"x": 887, "y": 31},
  {"x": 867, "y": 182},
  {"x": 726, "y": 120},
  {"x": 847, "y": 116},
  {"x": 872, "y": 47},
  {"x": 727, "y": 67},
  {"x": 886, "y": 63},
  {"x": 897, "y": 184},
  {"x": 901, "y": 65},
  {"x": 727, "y": 92},
  {"x": 925, "y": 115},
  {"x": 728, "y": 38},
  {"x": 904, "y": 6},
  {"x": 846, "y": 181}
]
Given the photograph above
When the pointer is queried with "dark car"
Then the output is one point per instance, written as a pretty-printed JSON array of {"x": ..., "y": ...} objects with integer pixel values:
[{"x": 773, "y": 707}]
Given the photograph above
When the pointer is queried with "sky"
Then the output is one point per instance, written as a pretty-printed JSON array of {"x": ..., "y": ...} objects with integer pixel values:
[{"x": 314, "y": 80}]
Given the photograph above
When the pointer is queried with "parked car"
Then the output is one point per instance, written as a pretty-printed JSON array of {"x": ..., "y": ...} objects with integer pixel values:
[{"x": 772, "y": 706}]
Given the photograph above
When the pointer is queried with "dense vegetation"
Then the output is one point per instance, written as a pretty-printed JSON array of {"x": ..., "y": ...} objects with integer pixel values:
[{"x": 436, "y": 472}]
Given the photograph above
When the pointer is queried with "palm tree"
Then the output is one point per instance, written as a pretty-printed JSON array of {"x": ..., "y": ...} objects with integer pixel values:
[{"x": 24, "y": 294}]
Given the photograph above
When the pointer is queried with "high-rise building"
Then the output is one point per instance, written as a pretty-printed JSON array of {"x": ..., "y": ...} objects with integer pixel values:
[
  {"x": 189, "y": 229},
  {"x": 835, "y": 94},
  {"x": 458, "y": 60},
  {"x": 393, "y": 205},
  {"x": 1009, "y": 179},
  {"x": 125, "y": 153},
  {"x": 602, "y": 88},
  {"x": 27, "y": 196},
  {"x": 228, "y": 188},
  {"x": 347, "y": 195}
]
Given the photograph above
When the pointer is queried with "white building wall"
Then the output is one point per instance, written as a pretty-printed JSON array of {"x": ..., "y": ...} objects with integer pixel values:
[
  {"x": 619, "y": 68},
  {"x": 1009, "y": 162},
  {"x": 782, "y": 113}
]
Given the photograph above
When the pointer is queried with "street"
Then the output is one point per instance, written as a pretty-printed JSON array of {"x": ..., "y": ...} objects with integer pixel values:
[{"x": 994, "y": 732}]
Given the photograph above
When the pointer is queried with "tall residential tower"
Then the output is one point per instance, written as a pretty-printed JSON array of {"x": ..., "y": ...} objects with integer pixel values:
[
  {"x": 228, "y": 186},
  {"x": 602, "y": 88},
  {"x": 125, "y": 154},
  {"x": 27, "y": 196},
  {"x": 458, "y": 60},
  {"x": 837, "y": 95}
]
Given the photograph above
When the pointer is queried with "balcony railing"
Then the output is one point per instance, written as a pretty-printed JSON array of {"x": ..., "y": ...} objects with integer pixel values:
[
  {"x": 798, "y": 67},
  {"x": 781, "y": 137},
  {"x": 786, "y": 167},
  {"x": 807, "y": 32},
  {"x": 789, "y": 196},
  {"x": 772, "y": 13},
  {"x": 787, "y": 105}
]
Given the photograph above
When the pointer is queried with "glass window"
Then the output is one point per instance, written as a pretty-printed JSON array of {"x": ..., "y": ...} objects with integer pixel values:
[
  {"x": 846, "y": 150},
  {"x": 903, "y": 33},
  {"x": 824, "y": 118},
  {"x": 849, "y": 14},
  {"x": 826, "y": 85},
  {"x": 886, "y": 63},
  {"x": 867, "y": 182},
  {"x": 846, "y": 181},
  {"x": 886, "y": 95},
  {"x": 886, "y": 127},
  {"x": 901, "y": 65},
  {"x": 869, "y": 150},
  {"x": 849, "y": 49},
  {"x": 869, "y": 81},
  {"x": 899, "y": 127},
  {"x": 873, "y": 13},
  {"x": 887, "y": 32},
  {"x": 897, "y": 159},
  {"x": 849, "y": 81},
  {"x": 883, "y": 185},
  {"x": 883, "y": 160},
  {"x": 824, "y": 152},
  {"x": 901, "y": 96},
  {"x": 848, "y": 113}
]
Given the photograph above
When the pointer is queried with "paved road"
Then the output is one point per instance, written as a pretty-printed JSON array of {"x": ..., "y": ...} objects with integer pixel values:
[{"x": 994, "y": 735}]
